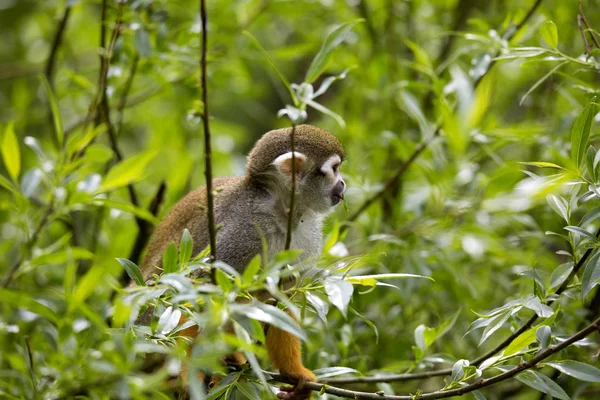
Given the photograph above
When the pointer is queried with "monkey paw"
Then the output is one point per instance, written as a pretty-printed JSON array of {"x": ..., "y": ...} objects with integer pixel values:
[{"x": 297, "y": 392}]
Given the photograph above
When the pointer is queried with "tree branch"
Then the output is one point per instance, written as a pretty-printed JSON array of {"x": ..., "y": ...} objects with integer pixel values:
[
  {"x": 288, "y": 236},
  {"x": 509, "y": 34},
  {"x": 49, "y": 69},
  {"x": 207, "y": 146},
  {"x": 593, "y": 327}
]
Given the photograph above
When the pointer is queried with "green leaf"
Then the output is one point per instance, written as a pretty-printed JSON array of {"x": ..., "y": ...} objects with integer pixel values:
[
  {"x": 223, "y": 280},
  {"x": 168, "y": 320},
  {"x": 170, "y": 259},
  {"x": 61, "y": 256},
  {"x": 249, "y": 390},
  {"x": 542, "y": 164},
  {"x": 559, "y": 274},
  {"x": 371, "y": 280},
  {"x": 543, "y": 334},
  {"x": 542, "y": 383},
  {"x": 542, "y": 310},
  {"x": 494, "y": 324},
  {"x": 185, "y": 247},
  {"x": 177, "y": 282},
  {"x": 520, "y": 342},
  {"x": 88, "y": 283},
  {"x": 10, "y": 152},
  {"x": 334, "y": 371},
  {"x": 591, "y": 275},
  {"x": 478, "y": 396},
  {"x": 339, "y": 293},
  {"x": 549, "y": 33},
  {"x": 142, "y": 42},
  {"x": 6, "y": 184},
  {"x": 581, "y": 132},
  {"x": 421, "y": 55},
  {"x": 127, "y": 171},
  {"x": 20, "y": 299},
  {"x": 133, "y": 271},
  {"x": 334, "y": 39},
  {"x": 127, "y": 207},
  {"x": 272, "y": 316},
  {"x": 56, "y": 117},
  {"x": 457, "y": 370},
  {"x": 251, "y": 270},
  {"x": 578, "y": 370},
  {"x": 271, "y": 64},
  {"x": 581, "y": 232},
  {"x": 590, "y": 217},
  {"x": 560, "y": 206}
]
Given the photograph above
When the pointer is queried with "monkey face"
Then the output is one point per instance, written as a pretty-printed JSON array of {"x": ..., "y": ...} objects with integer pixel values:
[
  {"x": 319, "y": 185},
  {"x": 324, "y": 188}
]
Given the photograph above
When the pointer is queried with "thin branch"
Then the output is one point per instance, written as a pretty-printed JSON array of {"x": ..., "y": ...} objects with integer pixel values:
[
  {"x": 125, "y": 93},
  {"x": 593, "y": 327},
  {"x": 588, "y": 48},
  {"x": 510, "y": 33},
  {"x": 49, "y": 69},
  {"x": 31, "y": 366},
  {"x": 581, "y": 18},
  {"x": 288, "y": 236},
  {"x": 207, "y": 146}
]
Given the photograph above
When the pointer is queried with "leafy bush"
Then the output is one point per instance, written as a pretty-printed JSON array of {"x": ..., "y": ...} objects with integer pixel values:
[{"x": 466, "y": 261}]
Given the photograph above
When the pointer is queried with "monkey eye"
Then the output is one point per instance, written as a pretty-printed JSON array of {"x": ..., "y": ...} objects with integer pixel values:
[{"x": 335, "y": 168}]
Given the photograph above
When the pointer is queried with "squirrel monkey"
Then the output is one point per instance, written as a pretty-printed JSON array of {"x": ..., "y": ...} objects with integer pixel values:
[{"x": 256, "y": 206}]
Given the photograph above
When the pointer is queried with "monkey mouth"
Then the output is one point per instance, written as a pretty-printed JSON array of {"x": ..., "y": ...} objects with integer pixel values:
[{"x": 336, "y": 198}]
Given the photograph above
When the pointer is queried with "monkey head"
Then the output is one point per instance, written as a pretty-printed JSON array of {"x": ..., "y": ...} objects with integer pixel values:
[{"x": 318, "y": 156}]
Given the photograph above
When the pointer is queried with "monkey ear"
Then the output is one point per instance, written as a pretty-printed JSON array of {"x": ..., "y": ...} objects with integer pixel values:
[{"x": 284, "y": 163}]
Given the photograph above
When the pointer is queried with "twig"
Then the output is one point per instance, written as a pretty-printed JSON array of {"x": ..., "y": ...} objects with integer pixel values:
[
  {"x": 125, "y": 93},
  {"x": 588, "y": 48},
  {"x": 288, "y": 236},
  {"x": 582, "y": 19},
  {"x": 49, "y": 69},
  {"x": 207, "y": 147},
  {"x": 424, "y": 144},
  {"x": 31, "y": 366},
  {"x": 593, "y": 327}
]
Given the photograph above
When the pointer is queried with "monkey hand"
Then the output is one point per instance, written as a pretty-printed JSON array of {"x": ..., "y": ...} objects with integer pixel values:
[{"x": 297, "y": 392}]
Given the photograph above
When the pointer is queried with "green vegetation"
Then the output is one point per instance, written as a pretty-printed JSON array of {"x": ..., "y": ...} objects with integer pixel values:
[{"x": 467, "y": 258}]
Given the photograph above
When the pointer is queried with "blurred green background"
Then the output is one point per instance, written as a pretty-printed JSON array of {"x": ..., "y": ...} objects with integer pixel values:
[{"x": 466, "y": 212}]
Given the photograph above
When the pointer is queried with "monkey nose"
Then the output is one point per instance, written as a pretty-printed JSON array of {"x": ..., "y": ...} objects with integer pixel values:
[{"x": 337, "y": 193}]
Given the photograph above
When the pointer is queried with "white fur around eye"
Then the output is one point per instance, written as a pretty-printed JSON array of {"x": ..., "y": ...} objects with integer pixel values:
[{"x": 327, "y": 167}]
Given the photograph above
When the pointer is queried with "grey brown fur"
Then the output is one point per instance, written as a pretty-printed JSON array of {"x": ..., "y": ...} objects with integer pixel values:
[{"x": 257, "y": 202}]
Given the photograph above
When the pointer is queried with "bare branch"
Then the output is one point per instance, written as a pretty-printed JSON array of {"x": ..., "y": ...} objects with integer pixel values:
[
  {"x": 49, "y": 69},
  {"x": 351, "y": 394},
  {"x": 207, "y": 146},
  {"x": 288, "y": 236}
]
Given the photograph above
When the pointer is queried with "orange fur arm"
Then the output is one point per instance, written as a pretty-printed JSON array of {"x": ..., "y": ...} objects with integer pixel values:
[{"x": 285, "y": 353}]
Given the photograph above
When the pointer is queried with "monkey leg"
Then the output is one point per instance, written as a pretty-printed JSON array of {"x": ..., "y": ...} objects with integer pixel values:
[{"x": 285, "y": 352}]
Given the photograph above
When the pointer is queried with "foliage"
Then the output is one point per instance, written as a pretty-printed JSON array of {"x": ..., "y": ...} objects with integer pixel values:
[{"x": 471, "y": 140}]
